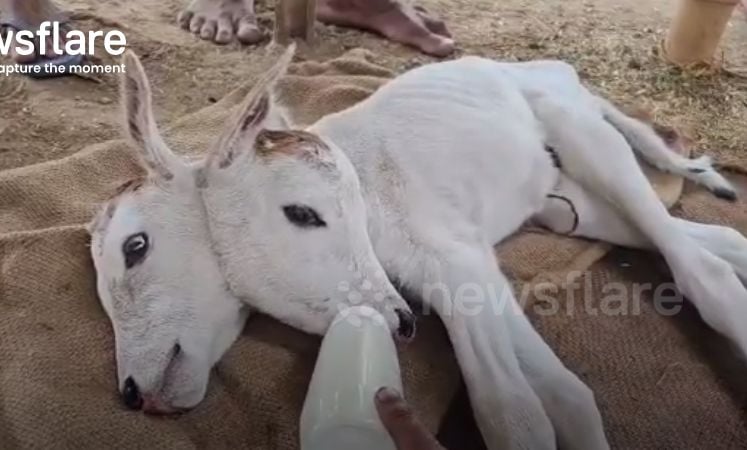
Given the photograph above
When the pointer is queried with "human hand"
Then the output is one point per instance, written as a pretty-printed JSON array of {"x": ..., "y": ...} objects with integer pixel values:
[{"x": 400, "y": 421}]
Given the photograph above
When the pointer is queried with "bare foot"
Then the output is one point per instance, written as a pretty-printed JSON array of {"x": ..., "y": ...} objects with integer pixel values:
[
  {"x": 222, "y": 20},
  {"x": 393, "y": 19},
  {"x": 28, "y": 15}
]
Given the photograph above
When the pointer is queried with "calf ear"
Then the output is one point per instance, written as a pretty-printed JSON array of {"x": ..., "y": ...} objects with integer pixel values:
[
  {"x": 242, "y": 128},
  {"x": 139, "y": 124}
]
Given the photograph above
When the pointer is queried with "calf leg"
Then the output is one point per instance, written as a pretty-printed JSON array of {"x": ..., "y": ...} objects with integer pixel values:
[
  {"x": 507, "y": 410},
  {"x": 568, "y": 402},
  {"x": 724, "y": 242},
  {"x": 522, "y": 394},
  {"x": 599, "y": 158},
  {"x": 575, "y": 211}
]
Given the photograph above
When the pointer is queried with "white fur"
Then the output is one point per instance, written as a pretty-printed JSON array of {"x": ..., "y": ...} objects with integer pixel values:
[{"x": 418, "y": 182}]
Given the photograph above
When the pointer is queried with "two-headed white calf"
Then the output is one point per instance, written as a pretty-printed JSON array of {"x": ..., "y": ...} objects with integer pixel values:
[{"x": 416, "y": 183}]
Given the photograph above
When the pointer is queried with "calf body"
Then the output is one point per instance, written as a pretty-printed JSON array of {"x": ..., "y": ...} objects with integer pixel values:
[
  {"x": 452, "y": 160},
  {"x": 417, "y": 184}
]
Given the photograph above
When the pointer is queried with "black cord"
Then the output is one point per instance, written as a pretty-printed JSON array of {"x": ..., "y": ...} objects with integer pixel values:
[{"x": 573, "y": 210}]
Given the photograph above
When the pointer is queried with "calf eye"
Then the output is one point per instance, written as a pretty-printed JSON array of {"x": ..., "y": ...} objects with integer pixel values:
[
  {"x": 134, "y": 249},
  {"x": 303, "y": 216}
]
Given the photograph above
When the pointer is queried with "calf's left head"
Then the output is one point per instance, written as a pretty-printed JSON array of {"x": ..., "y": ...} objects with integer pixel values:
[{"x": 157, "y": 276}]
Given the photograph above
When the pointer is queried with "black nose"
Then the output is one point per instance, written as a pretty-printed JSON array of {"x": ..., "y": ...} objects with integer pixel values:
[
  {"x": 406, "y": 324},
  {"x": 131, "y": 394}
]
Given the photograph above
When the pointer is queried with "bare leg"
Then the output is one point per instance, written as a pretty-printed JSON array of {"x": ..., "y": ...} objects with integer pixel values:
[
  {"x": 393, "y": 19},
  {"x": 599, "y": 158},
  {"x": 221, "y": 20}
]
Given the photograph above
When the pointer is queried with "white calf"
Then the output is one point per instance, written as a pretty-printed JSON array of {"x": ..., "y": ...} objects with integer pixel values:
[{"x": 416, "y": 183}]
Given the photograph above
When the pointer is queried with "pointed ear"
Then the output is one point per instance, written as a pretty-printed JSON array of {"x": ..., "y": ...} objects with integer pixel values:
[
  {"x": 245, "y": 125},
  {"x": 140, "y": 125}
]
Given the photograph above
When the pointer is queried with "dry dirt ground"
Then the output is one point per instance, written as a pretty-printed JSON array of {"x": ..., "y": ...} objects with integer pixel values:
[{"x": 615, "y": 45}]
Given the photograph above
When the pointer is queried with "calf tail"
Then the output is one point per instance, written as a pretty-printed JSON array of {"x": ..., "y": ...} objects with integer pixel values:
[{"x": 651, "y": 147}]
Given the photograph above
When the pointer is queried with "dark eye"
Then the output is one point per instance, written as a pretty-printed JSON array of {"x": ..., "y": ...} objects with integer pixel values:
[
  {"x": 134, "y": 249},
  {"x": 303, "y": 216}
]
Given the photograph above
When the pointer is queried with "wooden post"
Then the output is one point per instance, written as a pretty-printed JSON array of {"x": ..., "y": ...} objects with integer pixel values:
[
  {"x": 294, "y": 19},
  {"x": 697, "y": 29}
]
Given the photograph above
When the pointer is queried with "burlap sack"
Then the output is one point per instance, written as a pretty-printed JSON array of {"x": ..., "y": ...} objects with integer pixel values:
[{"x": 57, "y": 378}]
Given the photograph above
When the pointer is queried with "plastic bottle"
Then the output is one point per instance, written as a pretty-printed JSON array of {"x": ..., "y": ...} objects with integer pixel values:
[{"x": 357, "y": 357}]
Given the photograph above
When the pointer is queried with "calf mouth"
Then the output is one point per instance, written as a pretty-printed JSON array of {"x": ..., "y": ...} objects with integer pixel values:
[
  {"x": 151, "y": 402},
  {"x": 407, "y": 325}
]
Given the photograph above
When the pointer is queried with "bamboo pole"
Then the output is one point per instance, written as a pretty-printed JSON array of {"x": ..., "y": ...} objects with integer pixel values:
[
  {"x": 294, "y": 19},
  {"x": 697, "y": 29}
]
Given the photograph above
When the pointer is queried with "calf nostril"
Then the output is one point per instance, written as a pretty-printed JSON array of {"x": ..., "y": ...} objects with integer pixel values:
[
  {"x": 131, "y": 394},
  {"x": 406, "y": 327}
]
